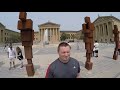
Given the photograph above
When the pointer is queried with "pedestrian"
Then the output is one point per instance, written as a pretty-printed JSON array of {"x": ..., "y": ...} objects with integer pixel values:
[
  {"x": 78, "y": 48},
  {"x": 5, "y": 46},
  {"x": 96, "y": 45},
  {"x": 11, "y": 55},
  {"x": 19, "y": 56},
  {"x": 64, "y": 66},
  {"x": 93, "y": 51}
]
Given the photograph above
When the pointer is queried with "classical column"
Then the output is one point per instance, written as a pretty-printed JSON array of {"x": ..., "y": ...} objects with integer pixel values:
[
  {"x": 53, "y": 34},
  {"x": 43, "y": 33},
  {"x": 104, "y": 31},
  {"x": 100, "y": 29},
  {"x": 56, "y": 35},
  {"x": 50, "y": 34},
  {"x": 108, "y": 30},
  {"x": 99, "y": 33},
  {"x": 94, "y": 33},
  {"x": 112, "y": 23},
  {"x": 40, "y": 34},
  {"x": 112, "y": 26}
]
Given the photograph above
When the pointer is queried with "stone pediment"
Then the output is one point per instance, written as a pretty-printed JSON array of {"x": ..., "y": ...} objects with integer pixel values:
[
  {"x": 105, "y": 18},
  {"x": 49, "y": 24},
  {"x": 1, "y": 25}
]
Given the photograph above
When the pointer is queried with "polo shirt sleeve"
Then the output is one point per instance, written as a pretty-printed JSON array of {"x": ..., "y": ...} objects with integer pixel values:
[{"x": 49, "y": 73}]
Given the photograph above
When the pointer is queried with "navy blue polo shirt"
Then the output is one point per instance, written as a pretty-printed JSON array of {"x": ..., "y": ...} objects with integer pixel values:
[{"x": 58, "y": 69}]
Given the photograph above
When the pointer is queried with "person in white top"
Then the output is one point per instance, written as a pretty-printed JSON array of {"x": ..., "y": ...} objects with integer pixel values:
[
  {"x": 96, "y": 45},
  {"x": 11, "y": 55}
]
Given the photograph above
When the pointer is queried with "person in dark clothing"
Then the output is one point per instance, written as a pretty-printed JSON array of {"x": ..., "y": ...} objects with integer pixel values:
[
  {"x": 65, "y": 66},
  {"x": 19, "y": 55}
]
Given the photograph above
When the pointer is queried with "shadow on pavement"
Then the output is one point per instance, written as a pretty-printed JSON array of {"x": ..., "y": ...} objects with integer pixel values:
[
  {"x": 17, "y": 65},
  {"x": 108, "y": 57}
]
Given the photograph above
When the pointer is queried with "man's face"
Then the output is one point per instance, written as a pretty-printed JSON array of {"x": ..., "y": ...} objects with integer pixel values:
[{"x": 64, "y": 53}]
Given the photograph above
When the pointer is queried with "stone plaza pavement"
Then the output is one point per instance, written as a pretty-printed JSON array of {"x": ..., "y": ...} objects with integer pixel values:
[{"x": 103, "y": 66}]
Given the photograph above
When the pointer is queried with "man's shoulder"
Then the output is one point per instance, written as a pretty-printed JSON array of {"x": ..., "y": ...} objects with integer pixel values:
[
  {"x": 73, "y": 59},
  {"x": 53, "y": 64}
]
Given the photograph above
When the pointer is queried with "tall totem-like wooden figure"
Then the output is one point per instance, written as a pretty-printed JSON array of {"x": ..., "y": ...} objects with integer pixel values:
[
  {"x": 116, "y": 39},
  {"x": 88, "y": 29},
  {"x": 27, "y": 36}
]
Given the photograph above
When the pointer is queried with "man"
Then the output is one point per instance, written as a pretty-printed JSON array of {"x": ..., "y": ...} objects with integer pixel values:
[
  {"x": 65, "y": 66},
  {"x": 11, "y": 55}
]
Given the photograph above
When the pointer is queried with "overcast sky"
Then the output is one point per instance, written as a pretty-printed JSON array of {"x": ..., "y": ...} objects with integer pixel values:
[{"x": 67, "y": 20}]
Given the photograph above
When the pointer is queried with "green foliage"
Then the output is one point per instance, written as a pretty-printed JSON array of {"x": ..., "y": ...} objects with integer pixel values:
[
  {"x": 14, "y": 39},
  {"x": 63, "y": 37}
]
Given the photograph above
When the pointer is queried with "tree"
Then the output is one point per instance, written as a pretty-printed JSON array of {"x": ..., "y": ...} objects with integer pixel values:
[
  {"x": 14, "y": 39},
  {"x": 63, "y": 37}
]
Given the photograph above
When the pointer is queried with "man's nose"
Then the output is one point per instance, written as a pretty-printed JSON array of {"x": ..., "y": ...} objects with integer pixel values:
[{"x": 66, "y": 54}]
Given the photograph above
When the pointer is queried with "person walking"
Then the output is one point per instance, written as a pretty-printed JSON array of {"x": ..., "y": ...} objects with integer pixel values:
[
  {"x": 19, "y": 56},
  {"x": 11, "y": 55},
  {"x": 96, "y": 45}
]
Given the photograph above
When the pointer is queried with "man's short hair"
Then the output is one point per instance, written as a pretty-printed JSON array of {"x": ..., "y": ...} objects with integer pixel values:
[{"x": 65, "y": 44}]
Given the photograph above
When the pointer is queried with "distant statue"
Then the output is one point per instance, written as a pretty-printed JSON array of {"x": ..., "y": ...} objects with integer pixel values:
[{"x": 116, "y": 40}]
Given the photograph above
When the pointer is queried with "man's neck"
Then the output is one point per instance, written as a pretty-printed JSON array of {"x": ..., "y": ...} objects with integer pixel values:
[{"x": 64, "y": 61}]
